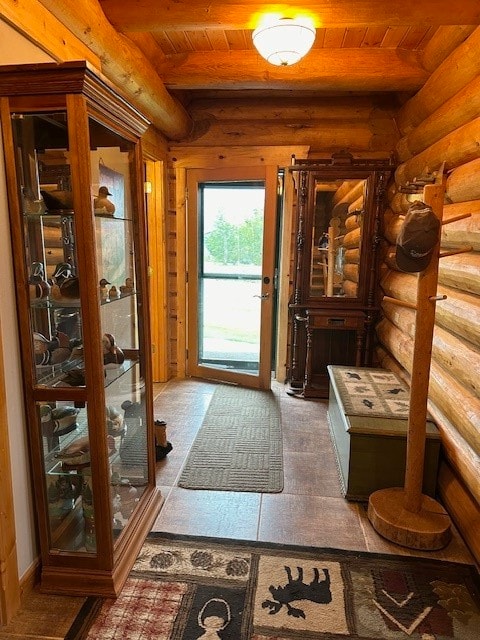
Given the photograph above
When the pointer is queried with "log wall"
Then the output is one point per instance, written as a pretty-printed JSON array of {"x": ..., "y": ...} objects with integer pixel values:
[{"x": 440, "y": 124}]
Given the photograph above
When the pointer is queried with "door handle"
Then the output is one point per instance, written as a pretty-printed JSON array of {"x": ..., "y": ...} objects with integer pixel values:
[{"x": 264, "y": 296}]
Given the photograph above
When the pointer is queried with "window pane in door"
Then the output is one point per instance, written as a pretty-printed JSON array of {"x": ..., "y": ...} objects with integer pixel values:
[{"x": 230, "y": 268}]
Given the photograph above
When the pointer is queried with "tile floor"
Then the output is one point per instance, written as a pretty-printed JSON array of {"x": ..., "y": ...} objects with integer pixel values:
[{"x": 309, "y": 511}]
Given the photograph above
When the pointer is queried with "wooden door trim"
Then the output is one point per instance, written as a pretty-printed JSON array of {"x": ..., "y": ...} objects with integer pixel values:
[{"x": 157, "y": 248}]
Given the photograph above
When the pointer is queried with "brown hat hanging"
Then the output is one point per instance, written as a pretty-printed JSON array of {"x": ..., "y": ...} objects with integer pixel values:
[{"x": 417, "y": 238}]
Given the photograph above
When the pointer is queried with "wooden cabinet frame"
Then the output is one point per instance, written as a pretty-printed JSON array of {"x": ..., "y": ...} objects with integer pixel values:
[
  {"x": 73, "y": 89},
  {"x": 360, "y": 302}
]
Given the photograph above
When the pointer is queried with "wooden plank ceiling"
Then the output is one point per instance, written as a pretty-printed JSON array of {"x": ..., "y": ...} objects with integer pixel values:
[{"x": 204, "y": 49}]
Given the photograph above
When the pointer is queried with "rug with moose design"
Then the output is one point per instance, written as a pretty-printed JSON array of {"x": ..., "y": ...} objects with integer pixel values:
[{"x": 184, "y": 588}]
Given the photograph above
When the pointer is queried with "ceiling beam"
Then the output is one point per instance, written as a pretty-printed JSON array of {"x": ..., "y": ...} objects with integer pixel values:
[
  {"x": 321, "y": 70},
  {"x": 151, "y": 15},
  {"x": 124, "y": 64}
]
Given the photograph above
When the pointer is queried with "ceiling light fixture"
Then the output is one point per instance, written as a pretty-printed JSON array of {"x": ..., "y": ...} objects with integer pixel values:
[{"x": 285, "y": 41}]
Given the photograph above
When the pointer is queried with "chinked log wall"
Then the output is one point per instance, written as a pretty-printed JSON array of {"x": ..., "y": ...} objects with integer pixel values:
[{"x": 440, "y": 124}]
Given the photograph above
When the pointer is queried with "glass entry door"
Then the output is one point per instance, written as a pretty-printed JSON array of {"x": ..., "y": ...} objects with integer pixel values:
[{"x": 230, "y": 278}]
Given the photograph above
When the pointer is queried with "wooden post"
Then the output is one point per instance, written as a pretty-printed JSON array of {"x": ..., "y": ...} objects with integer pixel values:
[
  {"x": 406, "y": 516},
  {"x": 330, "y": 260}
]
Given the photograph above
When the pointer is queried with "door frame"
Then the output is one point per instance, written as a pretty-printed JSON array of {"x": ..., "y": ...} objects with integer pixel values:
[
  {"x": 182, "y": 159},
  {"x": 269, "y": 176}
]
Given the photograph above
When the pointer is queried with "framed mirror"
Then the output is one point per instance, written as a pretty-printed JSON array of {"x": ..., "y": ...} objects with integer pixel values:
[
  {"x": 337, "y": 234},
  {"x": 339, "y": 206}
]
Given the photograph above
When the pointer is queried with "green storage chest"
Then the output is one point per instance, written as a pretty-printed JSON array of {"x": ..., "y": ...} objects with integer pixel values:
[{"x": 371, "y": 449}]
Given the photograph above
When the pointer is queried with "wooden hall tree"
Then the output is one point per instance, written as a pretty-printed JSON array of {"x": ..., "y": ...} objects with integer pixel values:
[{"x": 405, "y": 515}]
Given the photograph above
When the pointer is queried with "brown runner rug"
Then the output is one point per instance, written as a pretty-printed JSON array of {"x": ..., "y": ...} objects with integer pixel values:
[
  {"x": 184, "y": 588},
  {"x": 239, "y": 445}
]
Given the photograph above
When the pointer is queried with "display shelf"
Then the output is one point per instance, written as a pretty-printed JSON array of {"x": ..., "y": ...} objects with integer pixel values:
[{"x": 74, "y": 178}]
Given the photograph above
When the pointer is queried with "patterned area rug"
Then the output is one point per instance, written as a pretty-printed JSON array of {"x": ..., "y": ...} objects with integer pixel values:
[
  {"x": 370, "y": 392},
  {"x": 239, "y": 445},
  {"x": 192, "y": 589}
]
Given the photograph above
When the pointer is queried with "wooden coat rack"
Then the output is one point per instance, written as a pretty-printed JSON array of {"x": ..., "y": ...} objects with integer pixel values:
[{"x": 405, "y": 515}]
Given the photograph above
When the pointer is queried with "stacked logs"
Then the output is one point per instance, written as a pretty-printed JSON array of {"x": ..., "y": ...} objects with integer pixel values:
[
  {"x": 350, "y": 196},
  {"x": 441, "y": 125}
]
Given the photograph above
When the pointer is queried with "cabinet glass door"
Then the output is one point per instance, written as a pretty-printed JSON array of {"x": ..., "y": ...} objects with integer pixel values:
[
  {"x": 111, "y": 168},
  {"x": 53, "y": 275},
  {"x": 55, "y": 315}
]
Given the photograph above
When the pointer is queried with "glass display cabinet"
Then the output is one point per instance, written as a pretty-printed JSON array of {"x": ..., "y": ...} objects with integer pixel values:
[
  {"x": 333, "y": 306},
  {"x": 74, "y": 179}
]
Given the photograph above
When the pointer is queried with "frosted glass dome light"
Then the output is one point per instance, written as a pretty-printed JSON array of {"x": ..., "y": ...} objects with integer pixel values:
[{"x": 285, "y": 41}]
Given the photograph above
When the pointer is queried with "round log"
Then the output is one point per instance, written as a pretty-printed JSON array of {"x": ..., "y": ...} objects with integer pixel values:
[
  {"x": 463, "y": 183},
  {"x": 459, "y": 313},
  {"x": 352, "y": 239},
  {"x": 460, "y": 208},
  {"x": 454, "y": 234},
  {"x": 342, "y": 191},
  {"x": 454, "y": 113},
  {"x": 462, "y": 507},
  {"x": 461, "y": 272},
  {"x": 459, "y": 405},
  {"x": 460, "y": 67},
  {"x": 456, "y": 148},
  {"x": 326, "y": 137},
  {"x": 458, "y": 452},
  {"x": 392, "y": 229},
  {"x": 350, "y": 271},
  {"x": 352, "y": 256},
  {"x": 443, "y": 42},
  {"x": 356, "y": 190},
  {"x": 356, "y": 205},
  {"x": 401, "y": 201},
  {"x": 464, "y": 367},
  {"x": 122, "y": 59},
  {"x": 350, "y": 289},
  {"x": 352, "y": 222},
  {"x": 462, "y": 232}
]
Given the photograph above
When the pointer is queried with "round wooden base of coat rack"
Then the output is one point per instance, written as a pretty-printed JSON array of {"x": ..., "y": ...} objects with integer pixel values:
[{"x": 428, "y": 529}]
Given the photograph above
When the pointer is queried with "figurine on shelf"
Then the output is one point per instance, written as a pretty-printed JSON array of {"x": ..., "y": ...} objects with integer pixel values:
[
  {"x": 40, "y": 349},
  {"x": 113, "y": 292},
  {"x": 58, "y": 421},
  {"x": 62, "y": 272},
  {"x": 127, "y": 288},
  {"x": 113, "y": 356},
  {"x": 38, "y": 286},
  {"x": 65, "y": 286},
  {"x": 102, "y": 204},
  {"x": 103, "y": 289}
]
